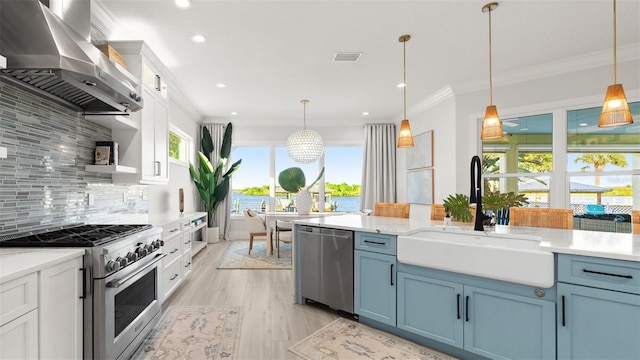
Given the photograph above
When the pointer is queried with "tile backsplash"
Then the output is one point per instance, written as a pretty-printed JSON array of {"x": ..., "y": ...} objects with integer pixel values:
[{"x": 43, "y": 182}]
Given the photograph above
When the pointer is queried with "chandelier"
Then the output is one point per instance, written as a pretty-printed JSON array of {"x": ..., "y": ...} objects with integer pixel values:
[{"x": 305, "y": 146}]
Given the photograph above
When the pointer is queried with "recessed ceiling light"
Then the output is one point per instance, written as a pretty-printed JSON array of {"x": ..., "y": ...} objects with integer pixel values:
[
  {"x": 234, "y": 113},
  {"x": 221, "y": 85},
  {"x": 198, "y": 38},
  {"x": 401, "y": 85},
  {"x": 366, "y": 113},
  {"x": 584, "y": 124},
  {"x": 182, "y": 4}
]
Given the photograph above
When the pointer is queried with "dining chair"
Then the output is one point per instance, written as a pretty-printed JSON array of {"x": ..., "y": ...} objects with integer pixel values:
[
  {"x": 400, "y": 210},
  {"x": 256, "y": 226},
  {"x": 284, "y": 233},
  {"x": 635, "y": 221},
  {"x": 539, "y": 217},
  {"x": 437, "y": 212}
]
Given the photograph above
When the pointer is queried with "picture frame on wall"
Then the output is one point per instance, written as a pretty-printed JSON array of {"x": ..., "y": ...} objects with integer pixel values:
[
  {"x": 421, "y": 154},
  {"x": 420, "y": 186}
]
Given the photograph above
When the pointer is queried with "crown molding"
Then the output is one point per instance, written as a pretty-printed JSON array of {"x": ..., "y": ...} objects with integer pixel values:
[{"x": 583, "y": 62}]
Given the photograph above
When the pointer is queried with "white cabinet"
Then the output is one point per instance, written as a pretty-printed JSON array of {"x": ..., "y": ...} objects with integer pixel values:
[
  {"x": 146, "y": 149},
  {"x": 41, "y": 314}
]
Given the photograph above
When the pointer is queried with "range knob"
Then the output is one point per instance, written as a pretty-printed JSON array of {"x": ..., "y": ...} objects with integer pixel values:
[
  {"x": 149, "y": 248},
  {"x": 112, "y": 266},
  {"x": 141, "y": 251},
  {"x": 131, "y": 257},
  {"x": 123, "y": 261},
  {"x": 156, "y": 244}
]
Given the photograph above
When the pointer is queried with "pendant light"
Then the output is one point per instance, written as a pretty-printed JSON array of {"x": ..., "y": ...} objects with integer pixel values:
[
  {"x": 305, "y": 146},
  {"x": 491, "y": 125},
  {"x": 405, "y": 138},
  {"x": 615, "y": 110}
]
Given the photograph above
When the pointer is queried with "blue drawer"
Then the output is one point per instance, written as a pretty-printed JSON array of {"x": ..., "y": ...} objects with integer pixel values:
[
  {"x": 612, "y": 274},
  {"x": 380, "y": 243}
]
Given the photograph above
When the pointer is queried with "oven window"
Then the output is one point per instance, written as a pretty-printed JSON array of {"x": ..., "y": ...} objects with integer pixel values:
[{"x": 133, "y": 300}]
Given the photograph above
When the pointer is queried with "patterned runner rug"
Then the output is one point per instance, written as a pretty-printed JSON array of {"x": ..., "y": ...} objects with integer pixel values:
[
  {"x": 346, "y": 339},
  {"x": 193, "y": 332},
  {"x": 237, "y": 256}
]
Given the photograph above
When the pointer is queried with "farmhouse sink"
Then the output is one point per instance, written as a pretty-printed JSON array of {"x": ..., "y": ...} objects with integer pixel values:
[{"x": 513, "y": 258}]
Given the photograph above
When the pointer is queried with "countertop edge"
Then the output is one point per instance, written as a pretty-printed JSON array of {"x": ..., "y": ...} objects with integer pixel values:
[{"x": 18, "y": 262}]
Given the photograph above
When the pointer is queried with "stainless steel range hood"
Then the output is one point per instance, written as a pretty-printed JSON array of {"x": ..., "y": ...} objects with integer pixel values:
[{"x": 47, "y": 54}]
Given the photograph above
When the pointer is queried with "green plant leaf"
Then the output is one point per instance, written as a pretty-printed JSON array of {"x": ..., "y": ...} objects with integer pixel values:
[
  {"x": 225, "y": 149},
  {"x": 458, "y": 205},
  {"x": 205, "y": 163},
  {"x": 316, "y": 180},
  {"x": 207, "y": 142},
  {"x": 292, "y": 179}
]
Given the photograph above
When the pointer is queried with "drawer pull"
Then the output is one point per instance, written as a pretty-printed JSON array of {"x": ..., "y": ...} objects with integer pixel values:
[
  {"x": 607, "y": 274},
  {"x": 458, "y": 306},
  {"x": 466, "y": 308},
  {"x": 174, "y": 277},
  {"x": 174, "y": 250},
  {"x": 189, "y": 264},
  {"x": 174, "y": 230},
  {"x": 563, "y": 312},
  {"x": 374, "y": 242},
  {"x": 391, "y": 274}
]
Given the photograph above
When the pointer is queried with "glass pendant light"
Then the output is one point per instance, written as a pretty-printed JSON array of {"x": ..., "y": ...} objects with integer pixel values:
[
  {"x": 305, "y": 146},
  {"x": 615, "y": 110},
  {"x": 405, "y": 138},
  {"x": 491, "y": 125}
]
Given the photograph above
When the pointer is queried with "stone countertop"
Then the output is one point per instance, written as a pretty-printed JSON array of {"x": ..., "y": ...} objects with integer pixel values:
[
  {"x": 578, "y": 242},
  {"x": 18, "y": 262}
]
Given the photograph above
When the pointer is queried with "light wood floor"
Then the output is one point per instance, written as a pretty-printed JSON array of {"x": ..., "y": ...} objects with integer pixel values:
[{"x": 271, "y": 322}]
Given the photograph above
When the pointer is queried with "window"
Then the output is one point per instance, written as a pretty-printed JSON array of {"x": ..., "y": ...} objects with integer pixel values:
[
  {"x": 255, "y": 183},
  {"x": 520, "y": 160},
  {"x": 180, "y": 145}
]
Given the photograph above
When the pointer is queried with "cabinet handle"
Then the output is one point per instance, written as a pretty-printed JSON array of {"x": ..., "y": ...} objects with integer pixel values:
[
  {"x": 84, "y": 283},
  {"x": 374, "y": 242},
  {"x": 158, "y": 82},
  {"x": 391, "y": 274},
  {"x": 466, "y": 313},
  {"x": 174, "y": 250},
  {"x": 189, "y": 264},
  {"x": 173, "y": 230},
  {"x": 158, "y": 168},
  {"x": 458, "y": 306},
  {"x": 563, "y": 318},
  {"x": 607, "y": 274},
  {"x": 174, "y": 277}
]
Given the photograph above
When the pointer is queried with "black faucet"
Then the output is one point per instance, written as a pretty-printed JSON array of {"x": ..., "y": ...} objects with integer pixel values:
[{"x": 476, "y": 192}]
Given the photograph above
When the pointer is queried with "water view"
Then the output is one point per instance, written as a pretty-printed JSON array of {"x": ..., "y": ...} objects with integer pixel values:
[{"x": 258, "y": 202}]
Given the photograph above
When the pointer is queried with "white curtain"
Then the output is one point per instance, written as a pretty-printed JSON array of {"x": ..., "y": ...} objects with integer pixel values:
[
  {"x": 223, "y": 214},
  {"x": 378, "y": 165}
]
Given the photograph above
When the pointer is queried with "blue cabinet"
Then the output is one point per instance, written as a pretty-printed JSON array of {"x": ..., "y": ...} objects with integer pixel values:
[
  {"x": 375, "y": 277},
  {"x": 487, "y": 322},
  {"x": 598, "y": 308}
]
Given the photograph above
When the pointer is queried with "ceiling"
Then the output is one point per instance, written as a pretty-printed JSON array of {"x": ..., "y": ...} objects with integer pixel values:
[{"x": 272, "y": 54}]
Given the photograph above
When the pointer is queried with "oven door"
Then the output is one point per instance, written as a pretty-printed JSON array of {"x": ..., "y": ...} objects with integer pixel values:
[{"x": 127, "y": 306}]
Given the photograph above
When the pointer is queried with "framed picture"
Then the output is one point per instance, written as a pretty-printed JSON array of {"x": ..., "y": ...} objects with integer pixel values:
[
  {"x": 420, "y": 186},
  {"x": 421, "y": 154}
]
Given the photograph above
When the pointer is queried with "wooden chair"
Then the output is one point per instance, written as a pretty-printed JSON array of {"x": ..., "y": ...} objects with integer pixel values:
[
  {"x": 400, "y": 210},
  {"x": 635, "y": 221},
  {"x": 256, "y": 226},
  {"x": 538, "y": 217},
  {"x": 437, "y": 212},
  {"x": 284, "y": 233}
]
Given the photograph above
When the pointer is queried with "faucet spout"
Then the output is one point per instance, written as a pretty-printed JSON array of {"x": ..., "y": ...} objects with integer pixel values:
[{"x": 476, "y": 192}]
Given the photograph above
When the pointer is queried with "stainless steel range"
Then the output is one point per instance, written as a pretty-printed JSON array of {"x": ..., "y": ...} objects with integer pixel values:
[{"x": 121, "y": 286}]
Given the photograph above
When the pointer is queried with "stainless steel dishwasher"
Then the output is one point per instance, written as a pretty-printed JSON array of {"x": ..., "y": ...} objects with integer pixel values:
[{"x": 326, "y": 266}]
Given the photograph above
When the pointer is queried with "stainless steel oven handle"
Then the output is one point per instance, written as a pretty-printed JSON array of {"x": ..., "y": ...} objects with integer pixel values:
[{"x": 118, "y": 283}]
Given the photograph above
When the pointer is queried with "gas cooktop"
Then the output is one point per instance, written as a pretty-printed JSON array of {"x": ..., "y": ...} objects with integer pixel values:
[{"x": 73, "y": 236}]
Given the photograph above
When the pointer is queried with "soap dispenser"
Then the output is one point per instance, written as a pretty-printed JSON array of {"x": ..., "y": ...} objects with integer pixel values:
[{"x": 447, "y": 217}]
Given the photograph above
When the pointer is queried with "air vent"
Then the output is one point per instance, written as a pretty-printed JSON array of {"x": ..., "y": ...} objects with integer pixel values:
[{"x": 347, "y": 57}]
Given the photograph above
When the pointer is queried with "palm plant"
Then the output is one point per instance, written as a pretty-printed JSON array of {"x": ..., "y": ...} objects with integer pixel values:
[{"x": 213, "y": 182}]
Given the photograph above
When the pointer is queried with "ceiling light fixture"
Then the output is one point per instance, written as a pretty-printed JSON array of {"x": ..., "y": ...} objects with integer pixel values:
[
  {"x": 182, "y": 4},
  {"x": 198, "y": 39},
  {"x": 221, "y": 85},
  {"x": 405, "y": 138},
  {"x": 491, "y": 126},
  {"x": 615, "y": 110},
  {"x": 305, "y": 146}
]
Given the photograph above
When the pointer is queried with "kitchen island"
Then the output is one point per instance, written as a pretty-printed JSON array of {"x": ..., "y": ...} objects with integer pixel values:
[{"x": 467, "y": 309}]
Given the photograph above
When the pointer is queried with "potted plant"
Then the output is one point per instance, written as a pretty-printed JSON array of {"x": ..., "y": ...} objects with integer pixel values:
[
  {"x": 212, "y": 181},
  {"x": 458, "y": 206},
  {"x": 293, "y": 181},
  {"x": 498, "y": 203}
]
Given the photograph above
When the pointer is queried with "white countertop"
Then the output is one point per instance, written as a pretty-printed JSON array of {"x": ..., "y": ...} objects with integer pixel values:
[
  {"x": 578, "y": 242},
  {"x": 17, "y": 262}
]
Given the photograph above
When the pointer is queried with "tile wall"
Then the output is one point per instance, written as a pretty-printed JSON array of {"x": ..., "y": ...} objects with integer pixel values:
[{"x": 43, "y": 182}]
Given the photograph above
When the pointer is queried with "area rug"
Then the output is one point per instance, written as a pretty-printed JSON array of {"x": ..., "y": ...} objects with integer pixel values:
[
  {"x": 345, "y": 339},
  {"x": 237, "y": 256},
  {"x": 193, "y": 332}
]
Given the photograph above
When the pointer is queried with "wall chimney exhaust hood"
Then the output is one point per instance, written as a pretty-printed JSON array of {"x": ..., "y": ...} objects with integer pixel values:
[{"x": 48, "y": 55}]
